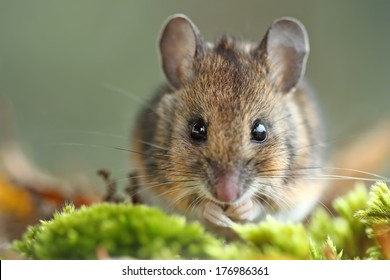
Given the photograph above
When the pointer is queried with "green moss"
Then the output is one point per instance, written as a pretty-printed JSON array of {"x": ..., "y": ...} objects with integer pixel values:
[
  {"x": 127, "y": 231},
  {"x": 376, "y": 219},
  {"x": 377, "y": 210},
  {"x": 276, "y": 240},
  {"x": 121, "y": 230},
  {"x": 344, "y": 229}
]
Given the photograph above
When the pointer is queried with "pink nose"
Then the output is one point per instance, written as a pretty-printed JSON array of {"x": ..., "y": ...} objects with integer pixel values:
[{"x": 227, "y": 186}]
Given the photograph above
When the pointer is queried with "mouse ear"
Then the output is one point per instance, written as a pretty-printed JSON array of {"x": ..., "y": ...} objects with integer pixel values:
[
  {"x": 284, "y": 49},
  {"x": 180, "y": 44}
]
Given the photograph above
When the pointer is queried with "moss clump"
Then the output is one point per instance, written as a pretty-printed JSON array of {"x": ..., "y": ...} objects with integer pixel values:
[
  {"x": 360, "y": 230},
  {"x": 121, "y": 230},
  {"x": 345, "y": 231},
  {"x": 376, "y": 219},
  {"x": 276, "y": 240}
]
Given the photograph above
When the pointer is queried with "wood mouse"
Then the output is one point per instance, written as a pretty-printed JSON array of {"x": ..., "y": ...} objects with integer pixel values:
[{"x": 236, "y": 134}]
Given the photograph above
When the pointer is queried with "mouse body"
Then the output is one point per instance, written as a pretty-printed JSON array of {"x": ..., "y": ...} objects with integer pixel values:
[{"x": 236, "y": 134}]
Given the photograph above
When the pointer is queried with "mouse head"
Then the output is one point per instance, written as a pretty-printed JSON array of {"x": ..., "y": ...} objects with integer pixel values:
[{"x": 229, "y": 131}]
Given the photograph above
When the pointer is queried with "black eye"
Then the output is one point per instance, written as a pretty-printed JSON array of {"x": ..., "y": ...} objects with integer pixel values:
[
  {"x": 198, "y": 130},
  {"x": 259, "y": 133}
]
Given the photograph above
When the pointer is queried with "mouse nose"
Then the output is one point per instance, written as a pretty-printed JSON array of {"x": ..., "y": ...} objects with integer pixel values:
[{"x": 227, "y": 186}]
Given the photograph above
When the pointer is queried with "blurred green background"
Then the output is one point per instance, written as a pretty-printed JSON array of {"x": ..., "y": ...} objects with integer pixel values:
[{"x": 75, "y": 71}]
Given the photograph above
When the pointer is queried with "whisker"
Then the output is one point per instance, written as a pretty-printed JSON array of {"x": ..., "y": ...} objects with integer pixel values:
[
  {"x": 277, "y": 197},
  {"x": 324, "y": 206},
  {"x": 321, "y": 177},
  {"x": 261, "y": 196},
  {"x": 359, "y": 171},
  {"x": 74, "y": 144},
  {"x": 91, "y": 132},
  {"x": 322, "y": 168},
  {"x": 184, "y": 193},
  {"x": 174, "y": 172},
  {"x": 184, "y": 176},
  {"x": 125, "y": 93},
  {"x": 134, "y": 97},
  {"x": 153, "y": 145},
  {"x": 194, "y": 203},
  {"x": 167, "y": 183}
]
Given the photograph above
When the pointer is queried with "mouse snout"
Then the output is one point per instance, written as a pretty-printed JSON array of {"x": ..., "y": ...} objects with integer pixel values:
[{"x": 227, "y": 186}]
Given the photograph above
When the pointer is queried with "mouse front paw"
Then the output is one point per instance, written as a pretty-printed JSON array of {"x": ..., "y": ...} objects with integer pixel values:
[
  {"x": 244, "y": 212},
  {"x": 215, "y": 215}
]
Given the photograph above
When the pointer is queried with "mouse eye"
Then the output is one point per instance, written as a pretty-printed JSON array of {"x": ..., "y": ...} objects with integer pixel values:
[
  {"x": 259, "y": 132},
  {"x": 198, "y": 130}
]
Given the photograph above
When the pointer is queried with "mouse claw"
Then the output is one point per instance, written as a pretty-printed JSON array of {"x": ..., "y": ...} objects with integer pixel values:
[
  {"x": 214, "y": 214},
  {"x": 247, "y": 211}
]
